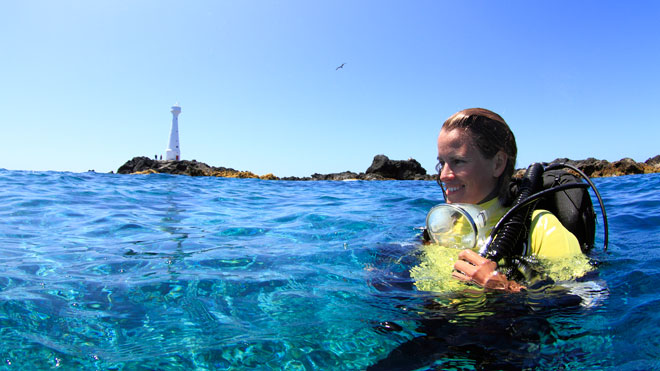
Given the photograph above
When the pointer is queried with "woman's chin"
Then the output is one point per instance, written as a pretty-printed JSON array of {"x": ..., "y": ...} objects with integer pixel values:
[
  {"x": 455, "y": 198},
  {"x": 460, "y": 198}
]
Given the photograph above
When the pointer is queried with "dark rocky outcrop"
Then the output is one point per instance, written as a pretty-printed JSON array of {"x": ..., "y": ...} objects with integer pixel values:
[
  {"x": 382, "y": 168},
  {"x": 594, "y": 168},
  {"x": 346, "y": 175},
  {"x": 396, "y": 169},
  {"x": 145, "y": 165},
  {"x": 654, "y": 162},
  {"x": 137, "y": 164}
]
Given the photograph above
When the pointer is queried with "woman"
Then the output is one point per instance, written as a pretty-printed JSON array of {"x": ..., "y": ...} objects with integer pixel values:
[{"x": 476, "y": 158}]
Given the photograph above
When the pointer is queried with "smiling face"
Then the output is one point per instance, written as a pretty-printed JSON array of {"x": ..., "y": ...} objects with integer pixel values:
[{"x": 467, "y": 175}]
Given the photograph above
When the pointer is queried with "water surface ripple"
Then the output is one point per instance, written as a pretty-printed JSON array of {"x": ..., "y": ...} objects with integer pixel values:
[{"x": 106, "y": 271}]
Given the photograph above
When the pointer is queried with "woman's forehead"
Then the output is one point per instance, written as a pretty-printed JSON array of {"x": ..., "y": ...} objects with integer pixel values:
[{"x": 455, "y": 140}]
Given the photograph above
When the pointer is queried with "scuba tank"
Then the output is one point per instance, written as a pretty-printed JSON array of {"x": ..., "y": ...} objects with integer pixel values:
[{"x": 574, "y": 210}]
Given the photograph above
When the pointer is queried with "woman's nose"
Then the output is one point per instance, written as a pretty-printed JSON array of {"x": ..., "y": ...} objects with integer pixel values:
[{"x": 446, "y": 173}]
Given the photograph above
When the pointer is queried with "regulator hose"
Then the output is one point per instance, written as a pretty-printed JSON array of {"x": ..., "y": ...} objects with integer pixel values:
[{"x": 510, "y": 232}]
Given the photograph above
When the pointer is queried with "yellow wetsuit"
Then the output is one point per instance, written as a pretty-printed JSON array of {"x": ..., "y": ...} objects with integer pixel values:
[{"x": 548, "y": 240}]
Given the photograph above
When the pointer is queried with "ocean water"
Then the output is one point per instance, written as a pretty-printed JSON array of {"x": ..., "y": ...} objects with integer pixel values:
[{"x": 161, "y": 272}]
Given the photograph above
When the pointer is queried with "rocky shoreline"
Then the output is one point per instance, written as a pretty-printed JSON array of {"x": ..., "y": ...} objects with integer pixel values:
[{"x": 382, "y": 168}]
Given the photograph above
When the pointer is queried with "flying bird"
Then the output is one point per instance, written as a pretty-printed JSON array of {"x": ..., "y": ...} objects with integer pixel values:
[{"x": 342, "y": 66}]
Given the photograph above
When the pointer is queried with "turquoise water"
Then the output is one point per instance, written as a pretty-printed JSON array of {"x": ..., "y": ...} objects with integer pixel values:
[{"x": 105, "y": 271}]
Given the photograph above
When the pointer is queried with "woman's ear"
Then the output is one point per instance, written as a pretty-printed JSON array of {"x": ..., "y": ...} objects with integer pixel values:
[{"x": 499, "y": 163}]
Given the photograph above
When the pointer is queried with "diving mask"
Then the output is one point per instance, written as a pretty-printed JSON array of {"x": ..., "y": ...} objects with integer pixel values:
[{"x": 457, "y": 225}]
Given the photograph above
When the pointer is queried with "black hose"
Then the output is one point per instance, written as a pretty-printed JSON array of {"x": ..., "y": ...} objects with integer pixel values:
[{"x": 511, "y": 230}]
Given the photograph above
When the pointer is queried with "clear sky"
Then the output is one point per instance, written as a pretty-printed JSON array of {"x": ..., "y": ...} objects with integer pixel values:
[{"x": 89, "y": 84}]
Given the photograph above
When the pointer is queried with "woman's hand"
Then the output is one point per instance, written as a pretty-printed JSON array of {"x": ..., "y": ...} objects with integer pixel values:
[{"x": 475, "y": 268}]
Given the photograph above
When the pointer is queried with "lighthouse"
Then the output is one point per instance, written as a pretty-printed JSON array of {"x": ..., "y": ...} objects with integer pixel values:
[{"x": 173, "y": 152}]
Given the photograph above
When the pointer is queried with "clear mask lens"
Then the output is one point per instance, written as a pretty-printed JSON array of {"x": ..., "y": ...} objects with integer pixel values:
[{"x": 456, "y": 225}]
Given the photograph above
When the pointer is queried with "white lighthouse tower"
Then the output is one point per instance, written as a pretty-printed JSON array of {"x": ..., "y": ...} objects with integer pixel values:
[{"x": 173, "y": 152}]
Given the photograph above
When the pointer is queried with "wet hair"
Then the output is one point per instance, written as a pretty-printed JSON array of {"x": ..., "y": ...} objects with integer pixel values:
[{"x": 491, "y": 134}]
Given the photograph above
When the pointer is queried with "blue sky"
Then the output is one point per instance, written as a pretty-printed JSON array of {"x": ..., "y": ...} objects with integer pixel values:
[{"x": 89, "y": 84}]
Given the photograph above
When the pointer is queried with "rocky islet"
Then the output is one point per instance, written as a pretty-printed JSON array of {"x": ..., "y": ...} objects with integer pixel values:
[{"x": 382, "y": 168}]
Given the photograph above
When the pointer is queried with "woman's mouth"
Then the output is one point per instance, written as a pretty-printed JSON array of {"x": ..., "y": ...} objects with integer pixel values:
[{"x": 455, "y": 189}]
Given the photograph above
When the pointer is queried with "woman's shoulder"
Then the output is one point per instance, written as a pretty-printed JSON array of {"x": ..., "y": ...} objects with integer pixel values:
[{"x": 549, "y": 238}]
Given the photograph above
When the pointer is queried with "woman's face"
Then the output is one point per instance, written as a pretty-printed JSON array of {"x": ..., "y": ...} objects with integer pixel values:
[{"x": 467, "y": 175}]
